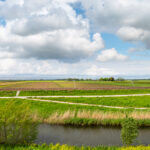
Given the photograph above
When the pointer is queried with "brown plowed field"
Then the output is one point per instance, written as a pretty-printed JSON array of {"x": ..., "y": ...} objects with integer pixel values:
[{"x": 26, "y": 86}]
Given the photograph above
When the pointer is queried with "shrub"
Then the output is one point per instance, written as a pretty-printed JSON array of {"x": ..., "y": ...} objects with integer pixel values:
[
  {"x": 129, "y": 131},
  {"x": 16, "y": 125}
]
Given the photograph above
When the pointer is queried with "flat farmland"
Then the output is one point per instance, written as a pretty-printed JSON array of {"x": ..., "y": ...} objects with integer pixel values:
[{"x": 70, "y": 85}]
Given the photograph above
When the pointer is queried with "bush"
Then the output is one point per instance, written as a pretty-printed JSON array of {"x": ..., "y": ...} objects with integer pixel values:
[
  {"x": 129, "y": 131},
  {"x": 107, "y": 79},
  {"x": 16, "y": 125}
]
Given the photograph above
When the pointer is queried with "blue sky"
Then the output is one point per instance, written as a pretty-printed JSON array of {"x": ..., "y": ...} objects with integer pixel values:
[
  {"x": 74, "y": 37},
  {"x": 113, "y": 41},
  {"x": 2, "y": 21}
]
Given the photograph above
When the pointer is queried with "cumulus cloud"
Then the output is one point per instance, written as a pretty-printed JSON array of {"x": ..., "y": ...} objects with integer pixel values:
[
  {"x": 68, "y": 44},
  {"x": 41, "y": 36},
  {"x": 130, "y": 34},
  {"x": 110, "y": 55},
  {"x": 46, "y": 30},
  {"x": 126, "y": 18}
]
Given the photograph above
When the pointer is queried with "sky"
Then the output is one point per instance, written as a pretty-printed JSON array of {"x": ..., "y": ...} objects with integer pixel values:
[{"x": 75, "y": 37}]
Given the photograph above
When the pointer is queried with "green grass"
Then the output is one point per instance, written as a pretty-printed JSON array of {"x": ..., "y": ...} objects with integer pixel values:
[
  {"x": 67, "y": 147},
  {"x": 131, "y": 83},
  {"x": 44, "y": 110},
  {"x": 7, "y": 93},
  {"x": 131, "y": 101},
  {"x": 54, "y": 147},
  {"x": 84, "y": 92}
]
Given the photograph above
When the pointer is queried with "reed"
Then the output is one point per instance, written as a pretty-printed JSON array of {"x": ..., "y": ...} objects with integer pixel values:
[{"x": 92, "y": 118}]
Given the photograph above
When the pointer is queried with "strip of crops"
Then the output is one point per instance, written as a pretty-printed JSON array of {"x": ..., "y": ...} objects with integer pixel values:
[
  {"x": 7, "y": 93},
  {"x": 84, "y": 92}
]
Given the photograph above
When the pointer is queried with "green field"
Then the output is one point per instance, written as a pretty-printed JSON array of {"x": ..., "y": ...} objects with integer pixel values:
[
  {"x": 55, "y": 113},
  {"x": 76, "y": 114},
  {"x": 84, "y": 92},
  {"x": 131, "y": 101},
  {"x": 64, "y": 84},
  {"x": 136, "y": 83},
  {"x": 7, "y": 93}
]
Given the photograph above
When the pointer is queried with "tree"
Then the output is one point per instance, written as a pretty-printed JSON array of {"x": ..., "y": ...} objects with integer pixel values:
[
  {"x": 16, "y": 125},
  {"x": 129, "y": 131},
  {"x": 111, "y": 79}
]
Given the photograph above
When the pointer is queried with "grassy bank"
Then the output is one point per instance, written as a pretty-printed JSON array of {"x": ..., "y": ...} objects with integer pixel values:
[
  {"x": 52, "y": 113},
  {"x": 84, "y": 92},
  {"x": 131, "y": 101},
  {"x": 66, "y": 147}
]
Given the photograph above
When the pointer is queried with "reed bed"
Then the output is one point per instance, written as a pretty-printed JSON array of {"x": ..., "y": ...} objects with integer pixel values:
[{"x": 85, "y": 118}]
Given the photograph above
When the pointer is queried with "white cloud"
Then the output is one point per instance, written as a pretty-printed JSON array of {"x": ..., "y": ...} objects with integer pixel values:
[
  {"x": 110, "y": 55},
  {"x": 128, "y": 18},
  {"x": 68, "y": 44},
  {"x": 46, "y": 30},
  {"x": 39, "y": 31},
  {"x": 97, "y": 71},
  {"x": 84, "y": 68},
  {"x": 130, "y": 34}
]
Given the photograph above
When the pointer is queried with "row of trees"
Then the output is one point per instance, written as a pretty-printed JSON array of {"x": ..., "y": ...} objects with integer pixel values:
[{"x": 101, "y": 79}]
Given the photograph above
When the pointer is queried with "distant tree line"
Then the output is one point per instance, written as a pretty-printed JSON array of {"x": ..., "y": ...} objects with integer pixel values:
[{"x": 100, "y": 79}]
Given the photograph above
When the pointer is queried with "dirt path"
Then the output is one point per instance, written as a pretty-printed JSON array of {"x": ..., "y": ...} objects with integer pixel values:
[
  {"x": 83, "y": 104},
  {"x": 126, "y": 95},
  {"x": 17, "y": 94},
  {"x": 93, "y": 96}
]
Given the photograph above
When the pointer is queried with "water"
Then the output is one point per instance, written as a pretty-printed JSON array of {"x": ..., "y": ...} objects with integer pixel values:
[{"x": 85, "y": 136}]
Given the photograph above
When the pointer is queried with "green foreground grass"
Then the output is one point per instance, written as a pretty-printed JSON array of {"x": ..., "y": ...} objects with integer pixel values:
[
  {"x": 66, "y": 114},
  {"x": 66, "y": 147},
  {"x": 131, "y": 101},
  {"x": 84, "y": 92}
]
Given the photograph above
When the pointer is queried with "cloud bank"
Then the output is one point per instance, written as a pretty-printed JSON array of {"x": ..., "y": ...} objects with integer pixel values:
[{"x": 51, "y": 37}]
